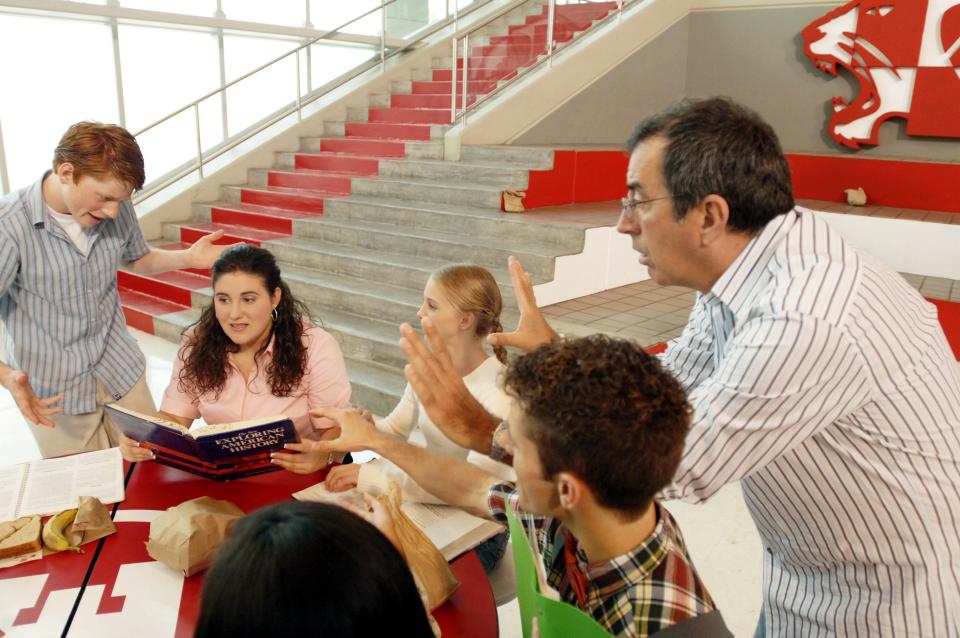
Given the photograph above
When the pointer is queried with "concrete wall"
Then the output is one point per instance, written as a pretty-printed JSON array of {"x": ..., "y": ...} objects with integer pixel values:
[
  {"x": 605, "y": 112},
  {"x": 754, "y": 55}
]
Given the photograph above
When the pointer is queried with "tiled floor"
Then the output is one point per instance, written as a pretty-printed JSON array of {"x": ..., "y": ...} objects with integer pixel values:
[{"x": 935, "y": 216}]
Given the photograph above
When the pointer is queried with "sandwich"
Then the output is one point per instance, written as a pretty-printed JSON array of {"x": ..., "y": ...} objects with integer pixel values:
[{"x": 19, "y": 537}]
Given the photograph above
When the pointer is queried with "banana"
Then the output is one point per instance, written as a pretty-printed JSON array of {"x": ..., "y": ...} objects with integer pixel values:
[{"x": 53, "y": 536}]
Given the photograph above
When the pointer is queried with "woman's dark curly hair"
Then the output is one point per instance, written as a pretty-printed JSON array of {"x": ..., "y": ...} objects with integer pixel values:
[
  {"x": 204, "y": 353},
  {"x": 606, "y": 411}
]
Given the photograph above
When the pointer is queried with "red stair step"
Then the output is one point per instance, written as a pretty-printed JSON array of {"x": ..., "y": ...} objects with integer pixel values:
[
  {"x": 388, "y": 131},
  {"x": 361, "y": 146},
  {"x": 489, "y": 75},
  {"x": 518, "y": 49},
  {"x": 539, "y": 39},
  {"x": 232, "y": 234},
  {"x": 153, "y": 287},
  {"x": 494, "y": 62},
  {"x": 440, "y": 88},
  {"x": 139, "y": 309},
  {"x": 410, "y": 115},
  {"x": 540, "y": 27},
  {"x": 337, "y": 162},
  {"x": 311, "y": 180},
  {"x": 409, "y": 100},
  {"x": 310, "y": 201},
  {"x": 263, "y": 217}
]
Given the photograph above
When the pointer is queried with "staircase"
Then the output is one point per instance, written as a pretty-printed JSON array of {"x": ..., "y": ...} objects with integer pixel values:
[{"x": 359, "y": 216}]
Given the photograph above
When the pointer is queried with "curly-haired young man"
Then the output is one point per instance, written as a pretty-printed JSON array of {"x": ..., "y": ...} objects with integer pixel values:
[{"x": 597, "y": 429}]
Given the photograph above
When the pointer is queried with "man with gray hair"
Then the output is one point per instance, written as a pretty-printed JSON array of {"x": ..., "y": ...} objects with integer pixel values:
[{"x": 819, "y": 379}]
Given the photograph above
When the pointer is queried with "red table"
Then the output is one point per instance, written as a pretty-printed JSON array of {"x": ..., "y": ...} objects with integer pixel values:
[
  {"x": 128, "y": 594},
  {"x": 38, "y": 598}
]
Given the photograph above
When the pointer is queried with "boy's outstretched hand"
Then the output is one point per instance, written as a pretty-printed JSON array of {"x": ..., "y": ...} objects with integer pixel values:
[
  {"x": 441, "y": 390},
  {"x": 533, "y": 330}
]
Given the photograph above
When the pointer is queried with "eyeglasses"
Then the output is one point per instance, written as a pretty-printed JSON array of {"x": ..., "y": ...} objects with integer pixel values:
[{"x": 630, "y": 205}]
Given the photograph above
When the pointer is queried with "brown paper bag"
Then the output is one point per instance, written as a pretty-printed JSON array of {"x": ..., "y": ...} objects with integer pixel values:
[
  {"x": 513, "y": 201},
  {"x": 91, "y": 523},
  {"x": 428, "y": 565},
  {"x": 186, "y": 536}
]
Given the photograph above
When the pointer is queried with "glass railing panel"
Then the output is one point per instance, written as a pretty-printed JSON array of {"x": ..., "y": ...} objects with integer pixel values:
[
  {"x": 154, "y": 85},
  {"x": 500, "y": 52},
  {"x": 329, "y": 61},
  {"x": 43, "y": 86}
]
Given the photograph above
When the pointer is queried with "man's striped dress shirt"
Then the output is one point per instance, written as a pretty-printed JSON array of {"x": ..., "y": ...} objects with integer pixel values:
[
  {"x": 61, "y": 308},
  {"x": 823, "y": 381}
]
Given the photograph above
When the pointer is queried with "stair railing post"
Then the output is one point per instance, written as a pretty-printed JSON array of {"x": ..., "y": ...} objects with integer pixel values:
[
  {"x": 466, "y": 69},
  {"x": 196, "y": 121},
  {"x": 4, "y": 178},
  {"x": 550, "y": 18},
  {"x": 296, "y": 54},
  {"x": 619, "y": 10},
  {"x": 383, "y": 37},
  {"x": 222, "y": 59},
  {"x": 453, "y": 80}
]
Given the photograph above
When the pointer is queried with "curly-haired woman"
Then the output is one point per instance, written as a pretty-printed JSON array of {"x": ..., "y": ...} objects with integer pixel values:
[{"x": 252, "y": 354}]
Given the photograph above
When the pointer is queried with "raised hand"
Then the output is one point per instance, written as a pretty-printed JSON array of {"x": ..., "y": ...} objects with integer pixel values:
[
  {"x": 204, "y": 252},
  {"x": 34, "y": 409},
  {"x": 441, "y": 390},
  {"x": 533, "y": 330}
]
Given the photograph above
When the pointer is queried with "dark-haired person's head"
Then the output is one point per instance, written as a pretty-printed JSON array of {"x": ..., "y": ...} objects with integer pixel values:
[
  {"x": 704, "y": 177},
  {"x": 594, "y": 415},
  {"x": 251, "y": 306},
  {"x": 309, "y": 569}
]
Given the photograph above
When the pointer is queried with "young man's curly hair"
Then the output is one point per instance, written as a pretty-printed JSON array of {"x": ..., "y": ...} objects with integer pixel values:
[{"x": 606, "y": 411}]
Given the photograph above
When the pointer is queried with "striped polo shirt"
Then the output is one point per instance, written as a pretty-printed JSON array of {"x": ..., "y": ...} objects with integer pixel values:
[
  {"x": 823, "y": 381},
  {"x": 61, "y": 308}
]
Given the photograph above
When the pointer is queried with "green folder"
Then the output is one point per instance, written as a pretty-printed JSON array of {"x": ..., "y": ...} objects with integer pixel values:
[{"x": 555, "y": 618}]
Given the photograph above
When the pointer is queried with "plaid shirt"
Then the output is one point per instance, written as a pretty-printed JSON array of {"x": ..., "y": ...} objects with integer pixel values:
[{"x": 651, "y": 587}]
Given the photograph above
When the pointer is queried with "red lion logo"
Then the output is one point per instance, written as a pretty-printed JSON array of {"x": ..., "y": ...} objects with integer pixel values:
[{"x": 905, "y": 55}]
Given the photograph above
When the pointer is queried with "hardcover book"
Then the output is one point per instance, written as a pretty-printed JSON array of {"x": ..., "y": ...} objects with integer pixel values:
[{"x": 220, "y": 451}]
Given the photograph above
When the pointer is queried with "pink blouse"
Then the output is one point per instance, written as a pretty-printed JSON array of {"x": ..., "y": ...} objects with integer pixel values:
[{"x": 324, "y": 384}]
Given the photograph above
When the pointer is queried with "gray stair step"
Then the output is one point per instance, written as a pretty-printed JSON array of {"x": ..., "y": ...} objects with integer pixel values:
[
  {"x": 390, "y": 268},
  {"x": 375, "y": 386},
  {"x": 436, "y": 192},
  {"x": 493, "y": 225},
  {"x": 533, "y": 156},
  {"x": 391, "y": 304},
  {"x": 502, "y": 176},
  {"x": 447, "y": 246}
]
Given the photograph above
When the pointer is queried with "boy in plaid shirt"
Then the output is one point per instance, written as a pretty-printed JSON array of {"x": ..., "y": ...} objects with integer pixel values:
[{"x": 597, "y": 430}]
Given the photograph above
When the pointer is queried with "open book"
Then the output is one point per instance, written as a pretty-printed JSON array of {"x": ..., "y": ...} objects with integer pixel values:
[
  {"x": 220, "y": 452},
  {"x": 53, "y": 485},
  {"x": 452, "y": 530}
]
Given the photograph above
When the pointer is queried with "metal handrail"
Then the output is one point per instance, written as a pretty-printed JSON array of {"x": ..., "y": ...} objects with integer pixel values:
[
  {"x": 217, "y": 91},
  {"x": 202, "y": 158},
  {"x": 462, "y": 114}
]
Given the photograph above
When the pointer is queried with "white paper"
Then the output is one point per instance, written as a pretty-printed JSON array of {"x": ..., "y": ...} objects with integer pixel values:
[
  {"x": 451, "y": 530},
  {"x": 54, "y": 485},
  {"x": 11, "y": 478}
]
